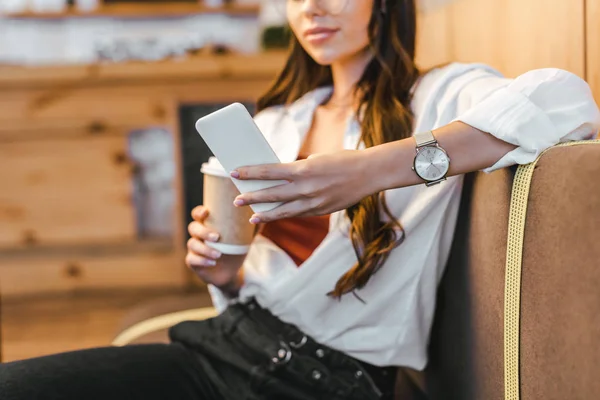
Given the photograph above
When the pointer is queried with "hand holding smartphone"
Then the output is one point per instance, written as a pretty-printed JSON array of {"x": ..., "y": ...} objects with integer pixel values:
[{"x": 235, "y": 140}]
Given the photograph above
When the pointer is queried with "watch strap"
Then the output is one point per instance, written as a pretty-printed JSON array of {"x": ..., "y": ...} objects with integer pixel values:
[{"x": 424, "y": 138}]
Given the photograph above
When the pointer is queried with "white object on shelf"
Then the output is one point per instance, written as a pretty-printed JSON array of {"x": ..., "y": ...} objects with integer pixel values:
[
  {"x": 87, "y": 5},
  {"x": 13, "y": 6},
  {"x": 48, "y": 5},
  {"x": 82, "y": 40},
  {"x": 213, "y": 3},
  {"x": 270, "y": 15}
]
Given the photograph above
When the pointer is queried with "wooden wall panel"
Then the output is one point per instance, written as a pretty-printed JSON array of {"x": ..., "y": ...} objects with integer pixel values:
[
  {"x": 69, "y": 273},
  {"x": 40, "y": 113},
  {"x": 511, "y": 35},
  {"x": 593, "y": 46},
  {"x": 67, "y": 221},
  {"x": 65, "y": 192},
  {"x": 434, "y": 44},
  {"x": 59, "y": 105},
  {"x": 35, "y": 113}
]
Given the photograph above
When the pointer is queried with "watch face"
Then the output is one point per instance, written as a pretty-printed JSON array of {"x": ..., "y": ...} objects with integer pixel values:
[{"x": 432, "y": 163}]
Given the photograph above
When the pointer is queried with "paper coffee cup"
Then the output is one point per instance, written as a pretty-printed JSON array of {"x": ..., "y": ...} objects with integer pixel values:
[{"x": 231, "y": 222}]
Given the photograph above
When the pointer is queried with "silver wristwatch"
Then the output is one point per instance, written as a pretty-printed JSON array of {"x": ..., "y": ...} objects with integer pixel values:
[{"x": 431, "y": 161}]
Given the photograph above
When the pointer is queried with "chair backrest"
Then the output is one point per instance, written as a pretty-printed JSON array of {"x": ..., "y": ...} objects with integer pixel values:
[{"x": 560, "y": 296}]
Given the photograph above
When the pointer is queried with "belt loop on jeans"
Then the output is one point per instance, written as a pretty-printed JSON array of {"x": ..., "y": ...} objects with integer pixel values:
[{"x": 300, "y": 344}]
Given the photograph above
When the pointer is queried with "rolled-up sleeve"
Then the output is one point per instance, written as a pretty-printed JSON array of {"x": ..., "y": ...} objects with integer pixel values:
[
  {"x": 533, "y": 112},
  {"x": 219, "y": 299}
]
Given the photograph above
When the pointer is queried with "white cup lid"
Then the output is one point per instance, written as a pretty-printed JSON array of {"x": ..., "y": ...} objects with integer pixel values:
[
  {"x": 214, "y": 167},
  {"x": 234, "y": 249}
]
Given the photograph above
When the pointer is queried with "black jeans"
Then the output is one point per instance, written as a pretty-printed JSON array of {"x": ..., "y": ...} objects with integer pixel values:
[{"x": 243, "y": 354}]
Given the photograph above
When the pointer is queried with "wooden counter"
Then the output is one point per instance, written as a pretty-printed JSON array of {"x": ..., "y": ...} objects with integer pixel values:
[
  {"x": 194, "y": 68},
  {"x": 67, "y": 220}
]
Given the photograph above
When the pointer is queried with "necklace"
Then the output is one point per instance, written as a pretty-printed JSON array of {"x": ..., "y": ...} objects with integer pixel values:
[{"x": 339, "y": 104}]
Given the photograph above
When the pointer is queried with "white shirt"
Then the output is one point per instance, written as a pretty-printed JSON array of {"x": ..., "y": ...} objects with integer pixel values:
[{"x": 534, "y": 111}]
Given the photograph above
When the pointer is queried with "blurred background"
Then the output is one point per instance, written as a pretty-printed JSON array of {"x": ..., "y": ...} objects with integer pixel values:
[{"x": 99, "y": 160}]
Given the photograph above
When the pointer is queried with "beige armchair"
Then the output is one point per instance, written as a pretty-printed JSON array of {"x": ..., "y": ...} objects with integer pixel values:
[{"x": 560, "y": 291}]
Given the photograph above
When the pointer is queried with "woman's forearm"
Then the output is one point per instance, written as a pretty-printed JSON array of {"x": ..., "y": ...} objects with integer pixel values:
[
  {"x": 335, "y": 181},
  {"x": 469, "y": 150}
]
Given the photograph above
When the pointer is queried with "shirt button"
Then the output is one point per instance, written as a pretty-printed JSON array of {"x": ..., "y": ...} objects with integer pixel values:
[
  {"x": 316, "y": 375},
  {"x": 358, "y": 374},
  {"x": 320, "y": 353}
]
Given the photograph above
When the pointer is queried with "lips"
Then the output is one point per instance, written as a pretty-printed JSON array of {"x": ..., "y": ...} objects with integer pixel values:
[{"x": 319, "y": 34}]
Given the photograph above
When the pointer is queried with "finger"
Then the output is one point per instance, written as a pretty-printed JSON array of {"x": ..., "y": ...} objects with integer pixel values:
[
  {"x": 198, "y": 247},
  {"x": 298, "y": 208},
  {"x": 280, "y": 193},
  {"x": 265, "y": 171},
  {"x": 199, "y": 231},
  {"x": 199, "y": 213},
  {"x": 195, "y": 261}
]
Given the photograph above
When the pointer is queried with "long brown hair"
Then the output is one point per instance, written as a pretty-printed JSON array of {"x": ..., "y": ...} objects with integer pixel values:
[{"x": 386, "y": 116}]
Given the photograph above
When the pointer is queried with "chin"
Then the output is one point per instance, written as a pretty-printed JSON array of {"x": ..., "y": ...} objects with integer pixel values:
[{"x": 324, "y": 56}]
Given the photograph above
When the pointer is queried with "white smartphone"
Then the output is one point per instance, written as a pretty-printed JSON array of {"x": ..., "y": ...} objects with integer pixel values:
[{"x": 235, "y": 140}]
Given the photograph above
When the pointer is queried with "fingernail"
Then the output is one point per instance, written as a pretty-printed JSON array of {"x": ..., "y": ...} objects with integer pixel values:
[
  {"x": 213, "y": 237},
  {"x": 216, "y": 254},
  {"x": 210, "y": 263},
  {"x": 238, "y": 203},
  {"x": 235, "y": 174},
  {"x": 254, "y": 220}
]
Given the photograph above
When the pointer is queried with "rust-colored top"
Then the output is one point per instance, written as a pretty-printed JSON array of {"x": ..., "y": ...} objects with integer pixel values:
[{"x": 298, "y": 236}]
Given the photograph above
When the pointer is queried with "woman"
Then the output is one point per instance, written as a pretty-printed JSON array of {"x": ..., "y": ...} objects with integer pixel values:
[{"x": 328, "y": 306}]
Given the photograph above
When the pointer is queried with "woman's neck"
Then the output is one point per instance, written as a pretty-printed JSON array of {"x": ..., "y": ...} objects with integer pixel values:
[{"x": 346, "y": 74}]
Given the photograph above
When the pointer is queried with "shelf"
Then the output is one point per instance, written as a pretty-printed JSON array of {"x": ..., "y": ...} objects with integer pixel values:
[
  {"x": 137, "y": 10},
  {"x": 201, "y": 67}
]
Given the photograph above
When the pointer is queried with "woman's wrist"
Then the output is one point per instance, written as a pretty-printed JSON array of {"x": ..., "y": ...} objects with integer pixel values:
[
  {"x": 229, "y": 276},
  {"x": 230, "y": 289},
  {"x": 470, "y": 149},
  {"x": 390, "y": 165}
]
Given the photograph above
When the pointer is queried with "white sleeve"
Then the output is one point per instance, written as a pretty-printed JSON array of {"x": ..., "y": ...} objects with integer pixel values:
[
  {"x": 219, "y": 299},
  {"x": 265, "y": 264},
  {"x": 534, "y": 111}
]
